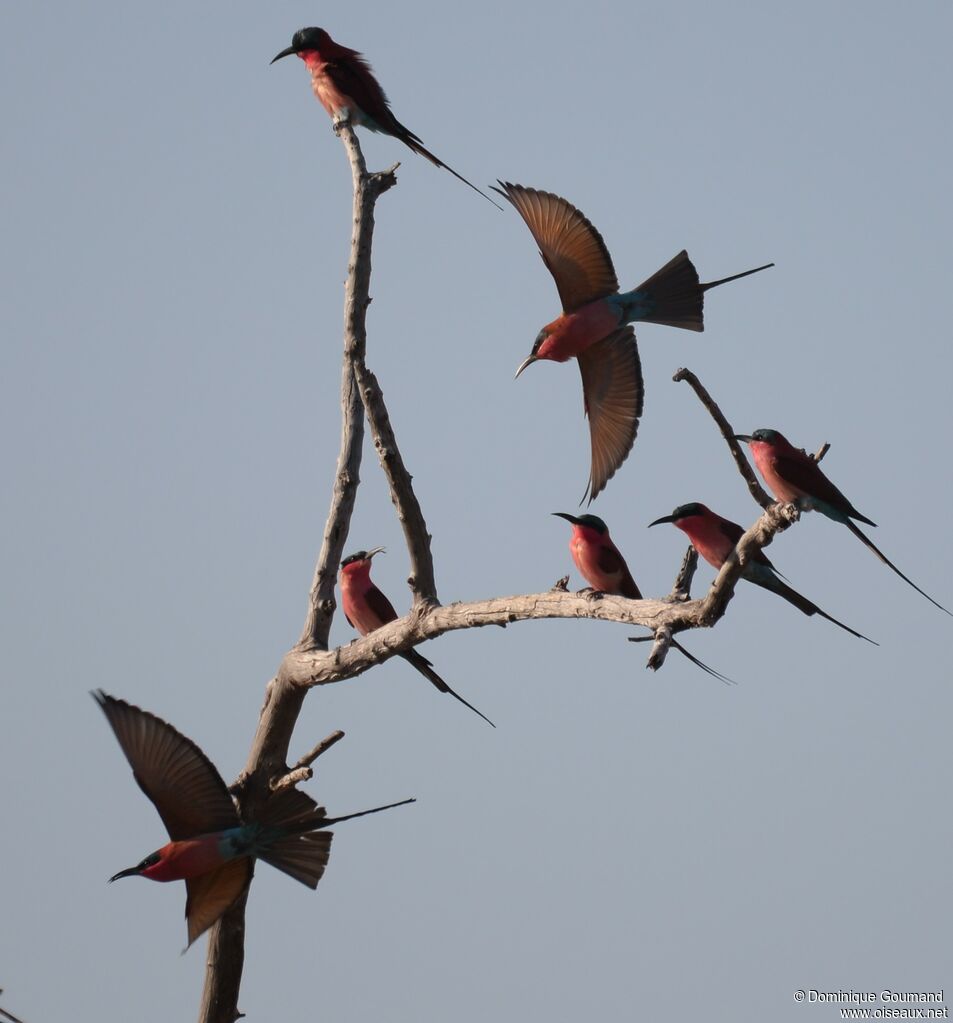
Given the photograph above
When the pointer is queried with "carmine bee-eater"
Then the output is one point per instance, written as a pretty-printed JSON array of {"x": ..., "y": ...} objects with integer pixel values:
[
  {"x": 592, "y": 326},
  {"x": 366, "y": 609},
  {"x": 212, "y": 850},
  {"x": 793, "y": 476},
  {"x": 601, "y": 564},
  {"x": 345, "y": 86},
  {"x": 715, "y": 538}
]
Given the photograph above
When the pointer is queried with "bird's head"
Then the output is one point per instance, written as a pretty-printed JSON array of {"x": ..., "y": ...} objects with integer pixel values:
[
  {"x": 761, "y": 436},
  {"x": 140, "y": 869},
  {"x": 682, "y": 513},
  {"x": 305, "y": 40},
  {"x": 359, "y": 561},
  {"x": 542, "y": 348},
  {"x": 586, "y": 521}
]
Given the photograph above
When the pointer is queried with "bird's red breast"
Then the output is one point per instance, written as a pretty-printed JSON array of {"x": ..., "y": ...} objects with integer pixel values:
[
  {"x": 364, "y": 604},
  {"x": 187, "y": 858}
]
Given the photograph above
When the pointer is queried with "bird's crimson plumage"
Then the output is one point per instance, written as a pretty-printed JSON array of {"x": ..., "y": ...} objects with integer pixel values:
[
  {"x": 715, "y": 538},
  {"x": 792, "y": 475},
  {"x": 344, "y": 84},
  {"x": 367, "y": 609},
  {"x": 212, "y": 849},
  {"x": 601, "y": 564},
  {"x": 592, "y": 327}
]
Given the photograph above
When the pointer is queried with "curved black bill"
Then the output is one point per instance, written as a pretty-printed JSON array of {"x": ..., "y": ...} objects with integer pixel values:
[
  {"x": 288, "y": 51},
  {"x": 567, "y": 517},
  {"x": 526, "y": 362},
  {"x": 747, "y": 438},
  {"x": 664, "y": 518},
  {"x": 129, "y": 872}
]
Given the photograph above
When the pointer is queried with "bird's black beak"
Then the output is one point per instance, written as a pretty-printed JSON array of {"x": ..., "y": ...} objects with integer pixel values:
[
  {"x": 567, "y": 517},
  {"x": 130, "y": 872},
  {"x": 287, "y": 52},
  {"x": 747, "y": 438},
  {"x": 665, "y": 518},
  {"x": 526, "y": 362}
]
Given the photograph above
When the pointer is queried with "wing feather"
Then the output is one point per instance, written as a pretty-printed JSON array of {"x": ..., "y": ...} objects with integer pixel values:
[
  {"x": 572, "y": 249},
  {"x": 210, "y": 895},
  {"x": 613, "y": 393},
  {"x": 174, "y": 773}
]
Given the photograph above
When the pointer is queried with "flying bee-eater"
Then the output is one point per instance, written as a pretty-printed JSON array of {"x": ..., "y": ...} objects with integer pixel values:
[
  {"x": 601, "y": 564},
  {"x": 212, "y": 849},
  {"x": 793, "y": 476},
  {"x": 593, "y": 325},
  {"x": 367, "y": 609},
  {"x": 345, "y": 86},
  {"x": 715, "y": 538}
]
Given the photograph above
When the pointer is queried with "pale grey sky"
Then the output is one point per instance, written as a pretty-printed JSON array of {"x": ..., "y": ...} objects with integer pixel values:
[{"x": 624, "y": 846}]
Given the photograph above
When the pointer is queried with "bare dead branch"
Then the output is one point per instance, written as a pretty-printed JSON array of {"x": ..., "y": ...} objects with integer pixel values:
[
  {"x": 322, "y": 747},
  {"x": 268, "y": 755},
  {"x": 367, "y": 188},
  {"x": 294, "y": 777},
  {"x": 744, "y": 467},
  {"x": 663, "y": 641},
  {"x": 821, "y": 451},
  {"x": 682, "y": 587},
  {"x": 402, "y": 494}
]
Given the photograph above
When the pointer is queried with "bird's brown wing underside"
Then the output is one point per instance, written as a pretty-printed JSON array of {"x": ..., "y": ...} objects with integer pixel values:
[
  {"x": 210, "y": 895},
  {"x": 174, "y": 773},
  {"x": 571, "y": 247},
  {"x": 612, "y": 390}
]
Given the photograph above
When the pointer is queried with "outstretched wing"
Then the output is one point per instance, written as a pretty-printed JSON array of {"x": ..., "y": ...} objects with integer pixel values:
[
  {"x": 173, "y": 772},
  {"x": 612, "y": 390},
  {"x": 210, "y": 895},
  {"x": 571, "y": 247}
]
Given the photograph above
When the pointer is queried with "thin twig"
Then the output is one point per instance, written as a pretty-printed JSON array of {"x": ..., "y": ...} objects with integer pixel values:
[
  {"x": 402, "y": 494},
  {"x": 744, "y": 467},
  {"x": 682, "y": 587},
  {"x": 322, "y": 747},
  {"x": 821, "y": 451}
]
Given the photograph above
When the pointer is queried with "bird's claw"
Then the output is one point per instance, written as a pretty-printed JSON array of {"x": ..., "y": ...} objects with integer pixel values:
[
  {"x": 592, "y": 594},
  {"x": 340, "y": 125}
]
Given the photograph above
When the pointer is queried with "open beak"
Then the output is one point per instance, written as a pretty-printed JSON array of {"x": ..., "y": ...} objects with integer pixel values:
[
  {"x": 131, "y": 872},
  {"x": 744, "y": 436},
  {"x": 287, "y": 52},
  {"x": 526, "y": 362},
  {"x": 376, "y": 550},
  {"x": 665, "y": 518},
  {"x": 567, "y": 517}
]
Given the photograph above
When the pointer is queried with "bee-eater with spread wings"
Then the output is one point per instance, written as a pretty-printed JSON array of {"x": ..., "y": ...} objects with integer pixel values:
[
  {"x": 593, "y": 325},
  {"x": 212, "y": 849}
]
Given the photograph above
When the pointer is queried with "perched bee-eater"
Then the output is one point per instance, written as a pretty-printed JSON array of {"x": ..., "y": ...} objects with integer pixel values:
[
  {"x": 793, "y": 476},
  {"x": 715, "y": 538},
  {"x": 367, "y": 609},
  {"x": 345, "y": 86}
]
